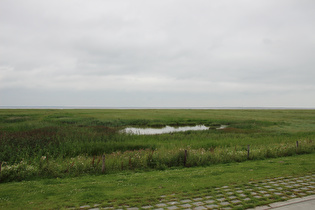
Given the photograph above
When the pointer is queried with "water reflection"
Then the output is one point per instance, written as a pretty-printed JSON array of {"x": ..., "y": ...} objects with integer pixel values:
[{"x": 166, "y": 129}]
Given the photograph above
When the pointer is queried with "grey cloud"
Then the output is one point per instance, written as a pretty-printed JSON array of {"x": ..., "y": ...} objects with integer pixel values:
[{"x": 223, "y": 48}]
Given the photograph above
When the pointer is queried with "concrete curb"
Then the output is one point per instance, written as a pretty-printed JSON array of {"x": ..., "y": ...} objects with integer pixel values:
[{"x": 286, "y": 203}]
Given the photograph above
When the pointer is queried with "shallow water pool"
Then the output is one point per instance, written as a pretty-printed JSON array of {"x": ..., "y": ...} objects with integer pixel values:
[{"x": 166, "y": 129}]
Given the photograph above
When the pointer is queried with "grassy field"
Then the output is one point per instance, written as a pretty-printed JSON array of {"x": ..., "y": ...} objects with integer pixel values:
[
  {"x": 59, "y": 143},
  {"x": 72, "y": 157},
  {"x": 145, "y": 188}
]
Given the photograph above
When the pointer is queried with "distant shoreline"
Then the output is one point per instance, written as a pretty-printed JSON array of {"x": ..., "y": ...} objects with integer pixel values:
[{"x": 104, "y": 107}]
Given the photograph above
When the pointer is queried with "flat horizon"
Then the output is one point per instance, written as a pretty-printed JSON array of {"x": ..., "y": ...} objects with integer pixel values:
[{"x": 144, "y": 107}]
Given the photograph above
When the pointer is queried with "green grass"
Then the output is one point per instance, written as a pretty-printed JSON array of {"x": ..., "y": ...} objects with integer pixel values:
[
  {"x": 143, "y": 188},
  {"x": 52, "y": 159},
  {"x": 62, "y": 143}
]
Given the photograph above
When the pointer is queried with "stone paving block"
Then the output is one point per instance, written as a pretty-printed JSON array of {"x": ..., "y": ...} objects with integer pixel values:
[
  {"x": 221, "y": 199},
  {"x": 239, "y": 191},
  {"x": 197, "y": 199},
  {"x": 232, "y": 197},
  {"x": 212, "y": 206},
  {"x": 209, "y": 201},
  {"x": 199, "y": 208},
  {"x": 185, "y": 205},
  {"x": 172, "y": 203},
  {"x": 147, "y": 207},
  {"x": 198, "y": 203},
  {"x": 242, "y": 195},
  {"x": 95, "y": 209},
  {"x": 224, "y": 203},
  {"x": 172, "y": 207},
  {"x": 207, "y": 197},
  {"x": 257, "y": 196},
  {"x": 132, "y": 208},
  {"x": 86, "y": 206},
  {"x": 185, "y": 201},
  {"x": 161, "y": 205},
  {"x": 229, "y": 193},
  {"x": 159, "y": 209},
  {"x": 247, "y": 199},
  {"x": 236, "y": 201}
]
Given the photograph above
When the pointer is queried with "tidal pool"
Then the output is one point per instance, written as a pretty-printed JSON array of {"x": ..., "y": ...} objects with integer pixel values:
[{"x": 166, "y": 129}]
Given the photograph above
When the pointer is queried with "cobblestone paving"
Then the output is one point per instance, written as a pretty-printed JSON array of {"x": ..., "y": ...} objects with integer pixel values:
[{"x": 236, "y": 196}]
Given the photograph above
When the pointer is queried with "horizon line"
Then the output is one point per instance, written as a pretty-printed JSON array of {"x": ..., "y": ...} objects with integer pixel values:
[{"x": 147, "y": 107}]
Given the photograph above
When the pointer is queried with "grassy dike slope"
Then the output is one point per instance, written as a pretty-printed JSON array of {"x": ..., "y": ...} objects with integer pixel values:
[{"x": 143, "y": 188}]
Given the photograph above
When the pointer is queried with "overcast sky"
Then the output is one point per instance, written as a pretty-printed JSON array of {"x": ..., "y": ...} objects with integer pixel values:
[{"x": 165, "y": 53}]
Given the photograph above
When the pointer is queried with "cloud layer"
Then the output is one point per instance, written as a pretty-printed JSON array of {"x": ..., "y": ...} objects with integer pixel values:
[{"x": 161, "y": 53}]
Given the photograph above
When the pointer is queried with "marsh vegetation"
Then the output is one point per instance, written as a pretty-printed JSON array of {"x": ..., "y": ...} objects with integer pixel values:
[{"x": 60, "y": 143}]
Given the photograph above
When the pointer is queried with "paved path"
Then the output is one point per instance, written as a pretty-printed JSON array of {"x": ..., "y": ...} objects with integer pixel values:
[
  {"x": 264, "y": 192},
  {"x": 305, "y": 203}
]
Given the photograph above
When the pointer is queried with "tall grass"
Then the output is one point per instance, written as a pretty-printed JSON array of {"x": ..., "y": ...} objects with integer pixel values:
[
  {"x": 146, "y": 159},
  {"x": 57, "y": 143}
]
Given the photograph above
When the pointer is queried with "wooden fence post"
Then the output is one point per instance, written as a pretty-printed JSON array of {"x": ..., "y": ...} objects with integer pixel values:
[
  {"x": 297, "y": 146},
  {"x": 103, "y": 164},
  {"x": 248, "y": 152},
  {"x": 93, "y": 161},
  {"x": 185, "y": 158}
]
